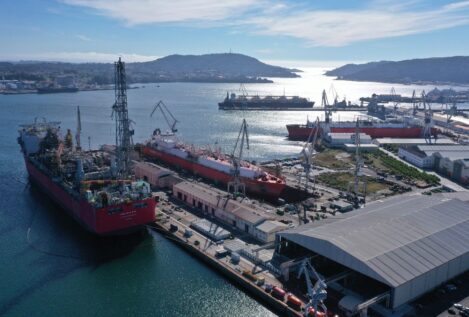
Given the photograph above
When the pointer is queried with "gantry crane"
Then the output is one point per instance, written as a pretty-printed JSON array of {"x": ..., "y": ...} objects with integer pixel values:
[
  {"x": 235, "y": 185},
  {"x": 317, "y": 294},
  {"x": 166, "y": 114}
]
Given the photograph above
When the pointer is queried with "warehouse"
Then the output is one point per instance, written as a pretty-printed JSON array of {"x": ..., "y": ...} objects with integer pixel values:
[
  {"x": 402, "y": 247},
  {"x": 217, "y": 204}
]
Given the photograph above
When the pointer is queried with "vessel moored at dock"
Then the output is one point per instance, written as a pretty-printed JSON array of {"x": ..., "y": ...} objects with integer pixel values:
[
  {"x": 94, "y": 188},
  {"x": 211, "y": 165},
  {"x": 245, "y": 101}
]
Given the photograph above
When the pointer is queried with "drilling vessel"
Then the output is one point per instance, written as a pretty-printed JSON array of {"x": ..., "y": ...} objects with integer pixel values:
[{"x": 95, "y": 188}]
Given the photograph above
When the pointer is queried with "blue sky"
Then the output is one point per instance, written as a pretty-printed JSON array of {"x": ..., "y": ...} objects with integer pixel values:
[{"x": 271, "y": 30}]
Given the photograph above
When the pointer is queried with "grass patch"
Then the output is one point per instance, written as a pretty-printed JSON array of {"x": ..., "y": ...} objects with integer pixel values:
[
  {"x": 341, "y": 181},
  {"x": 384, "y": 162},
  {"x": 333, "y": 159}
]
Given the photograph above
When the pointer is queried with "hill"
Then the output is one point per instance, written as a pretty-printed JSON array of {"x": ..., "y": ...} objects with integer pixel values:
[
  {"x": 453, "y": 70},
  {"x": 225, "y": 67}
]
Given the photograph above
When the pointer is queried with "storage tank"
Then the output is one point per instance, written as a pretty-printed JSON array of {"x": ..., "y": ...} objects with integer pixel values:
[
  {"x": 278, "y": 292},
  {"x": 294, "y": 301}
]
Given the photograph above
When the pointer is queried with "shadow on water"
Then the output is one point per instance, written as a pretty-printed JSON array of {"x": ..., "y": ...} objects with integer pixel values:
[
  {"x": 61, "y": 246},
  {"x": 50, "y": 223}
]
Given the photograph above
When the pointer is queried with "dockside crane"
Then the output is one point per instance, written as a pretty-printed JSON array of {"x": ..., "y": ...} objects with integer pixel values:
[
  {"x": 394, "y": 100},
  {"x": 235, "y": 186},
  {"x": 451, "y": 111},
  {"x": 428, "y": 119},
  {"x": 317, "y": 294},
  {"x": 415, "y": 105},
  {"x": 78, "y": 132},
  {"x": 307, "y": 154},
  {"x": 358, "y": 169},
  {"x": 327, "y": 112},
  {"x": 168, "y": 116}
]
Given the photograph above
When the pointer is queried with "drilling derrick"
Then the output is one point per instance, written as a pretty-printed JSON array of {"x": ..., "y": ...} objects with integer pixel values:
[{"x": 121, "y": 115}]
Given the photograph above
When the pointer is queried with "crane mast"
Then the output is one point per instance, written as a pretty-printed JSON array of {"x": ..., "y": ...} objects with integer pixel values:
[
  {"x": 236, "y": 186},
  {"x": 121, "y": 114}
]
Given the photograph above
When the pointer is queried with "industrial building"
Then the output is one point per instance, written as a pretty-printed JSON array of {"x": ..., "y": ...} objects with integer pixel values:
[
  {"x": 449, "y": 160},
  {"x": 347, "y": 141},
  {"x": 254, "y": 221},
  {"x": 410, "y": 141},
  {"x": 391, "y": 252},
  {"x": 157, "y": 176}
]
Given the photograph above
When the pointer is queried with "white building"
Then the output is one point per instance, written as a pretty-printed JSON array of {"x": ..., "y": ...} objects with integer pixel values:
[
  {"x": 416, "y": 157},
  {"x": 424, "y": 156},
  {"x": 266, "y": 231}
]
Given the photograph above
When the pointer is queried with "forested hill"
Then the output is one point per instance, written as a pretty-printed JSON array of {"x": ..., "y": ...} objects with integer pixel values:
[{"x": 453, "y": 70}]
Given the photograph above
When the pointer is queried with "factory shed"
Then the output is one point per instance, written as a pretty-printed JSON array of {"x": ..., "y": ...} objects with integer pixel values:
[{"x": 410, "y": 244}]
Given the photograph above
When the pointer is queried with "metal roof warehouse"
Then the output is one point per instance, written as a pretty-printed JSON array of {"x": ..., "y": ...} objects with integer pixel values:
[{"x": 411, "y": 244}]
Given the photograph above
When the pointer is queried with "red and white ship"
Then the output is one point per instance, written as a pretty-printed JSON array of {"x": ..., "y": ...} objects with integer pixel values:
[
  {"x": 390, "y": 127},
  {"x": 214, "y": 166},
  {"x": 90, "y": 186}
]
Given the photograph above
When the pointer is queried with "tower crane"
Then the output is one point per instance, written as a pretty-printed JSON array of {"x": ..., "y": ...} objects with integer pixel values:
[
  {"x": 166, "y": 114},
  {"x": 317, "y": 294},
  {"x": 307, "y": 153},
  {"x": 236, "y": 185}
]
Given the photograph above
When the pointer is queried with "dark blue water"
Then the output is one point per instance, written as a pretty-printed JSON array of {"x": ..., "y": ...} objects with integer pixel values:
[{"x": 50, "y": 267}]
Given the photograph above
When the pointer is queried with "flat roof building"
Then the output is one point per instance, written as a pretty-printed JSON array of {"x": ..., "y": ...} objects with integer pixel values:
[{"x": 410, "y": 245}]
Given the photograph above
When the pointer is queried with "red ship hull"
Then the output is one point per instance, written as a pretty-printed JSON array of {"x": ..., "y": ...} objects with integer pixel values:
[
  {"x": 272, "y": 189},
  {"x": 302, "y": 132},
  {"x": 109, "y": 220}
]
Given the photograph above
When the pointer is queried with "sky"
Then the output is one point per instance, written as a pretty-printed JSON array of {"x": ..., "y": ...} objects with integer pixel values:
[{"x": 309, "y": 31}]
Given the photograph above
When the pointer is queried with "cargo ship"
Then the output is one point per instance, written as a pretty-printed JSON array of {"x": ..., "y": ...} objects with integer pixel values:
[
  {"x": 404, "y": 127},
  {"x": 270, "y": 102},
  {"x": 211, "y": 165},
  {"x": 93, "y": 187}
]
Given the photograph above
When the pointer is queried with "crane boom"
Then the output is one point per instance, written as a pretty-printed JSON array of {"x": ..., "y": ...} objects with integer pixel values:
[
  {"x": 165, "y": 112},
  {"x": 237, "y": 155}
]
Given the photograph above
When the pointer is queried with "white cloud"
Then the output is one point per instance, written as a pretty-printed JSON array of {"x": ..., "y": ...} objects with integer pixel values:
[
  {"x": 335, "y": 28},
  {"x": 377, "y": 19},
  {"x": 160, "y": 11},
  {"x": 80, "y": 57}
]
